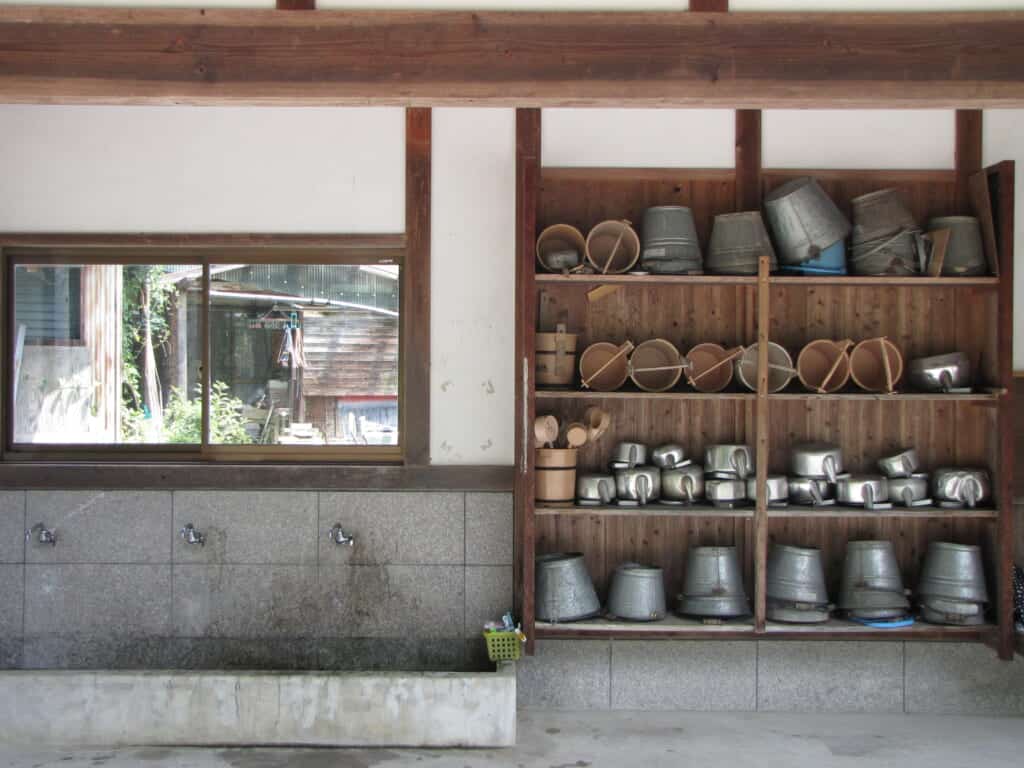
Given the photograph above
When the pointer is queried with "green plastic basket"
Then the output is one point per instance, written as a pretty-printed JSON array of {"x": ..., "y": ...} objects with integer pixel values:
[{"x": 503, "y": 646}]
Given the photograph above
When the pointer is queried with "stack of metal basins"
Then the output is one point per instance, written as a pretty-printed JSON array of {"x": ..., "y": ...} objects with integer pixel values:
[
  {"x": 738, "y": 241},
  {"x": 713, "y": 584},
  {"x": 670, "y": 244},
  {"x": 796, "y": 586},
  {"x": 886, "y": 239},
  {"x": 952, "y": 586},
  {"x": 872, "y": 587},
  {"x": 810, "y": 231}
]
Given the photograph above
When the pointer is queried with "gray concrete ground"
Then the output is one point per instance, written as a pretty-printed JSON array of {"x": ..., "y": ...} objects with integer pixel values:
[{"x": 625, "y": 739}]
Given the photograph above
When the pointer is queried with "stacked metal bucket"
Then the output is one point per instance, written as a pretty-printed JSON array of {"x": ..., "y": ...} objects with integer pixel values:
[
  {"x": 872, "y": 587},
  {"x": 886, "y": 239},
  {"x": 670, "y": 244},
  {"x": 952, "y": 586},
  {"x": 810, "y": 231},
  {"x": 713, "y": 585},
  {"x": 796, "y": 589}
]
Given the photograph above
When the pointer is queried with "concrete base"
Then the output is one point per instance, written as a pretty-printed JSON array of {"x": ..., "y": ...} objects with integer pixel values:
[{"x": 111, "y": 709}]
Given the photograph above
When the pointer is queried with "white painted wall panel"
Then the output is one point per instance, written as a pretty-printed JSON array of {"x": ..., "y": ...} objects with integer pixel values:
[
  {"x": 176, "y": 169},
  {"x": 638, "y": 138},
  {"x": 153, "y": 3},
  {"x": 855, "y": 138},
  {"x": 1004, "y": 140},
  {"x": 888, "y": 6},
  {"x": 472, "y": 287}
]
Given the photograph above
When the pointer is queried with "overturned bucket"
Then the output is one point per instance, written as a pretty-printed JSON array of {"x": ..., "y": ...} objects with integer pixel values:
[
  {"x": 713, "y": 585},
  {"x": 804, "y": 220},
  {"x": 670, "y": 244},
  {"x": 872, "y": 587},
  {"x": 738, "y": 241},
  {"x": 564, "y": 590},
  {"x": 637, "y": 593}
]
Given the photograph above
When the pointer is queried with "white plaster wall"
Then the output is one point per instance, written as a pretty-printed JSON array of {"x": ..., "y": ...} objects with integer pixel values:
[
  {"x": 179, "y": 169},
  {"x": 472, "y": 286}
]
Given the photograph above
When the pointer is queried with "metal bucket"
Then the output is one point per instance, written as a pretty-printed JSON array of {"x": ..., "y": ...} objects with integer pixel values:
[
  {"x": 670, "y": 238},
  {"x": 564, "y": 591},
  {"x": 780, "y": 367},
  {"x": 953, "y": 571},
  {"x": 885, "y": 235},
  {"x": 953, "y": 613},
  {"x": 713, "y": 585},
  {"x": 796, "y": 575},
  {"x": 879, "y": 214},
  {"x": 738, "y": 241},
  {"x": 871, "y": 583},
  {"x": 965, "y": 254},
  {"x": 804, "y": 220},
  {"x": 637, "y": 593}
]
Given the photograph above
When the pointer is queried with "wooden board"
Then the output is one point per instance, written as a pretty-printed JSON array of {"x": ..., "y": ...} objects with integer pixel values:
[{"x": 746, "y": 60}]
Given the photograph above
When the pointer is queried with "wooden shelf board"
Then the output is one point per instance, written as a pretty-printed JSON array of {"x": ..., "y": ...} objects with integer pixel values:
[
  {"x": 635, "y": 394},
  {"x": 985, "y": 281},
  {"x": 974, "y": 397},
  {"x": 547, "y": 279},
  {"x": 651, "y": 510},
  {"x": 671, "y": 626},
  {"x": 927, "y": 513},
  {"x": 843, "y": 629}
]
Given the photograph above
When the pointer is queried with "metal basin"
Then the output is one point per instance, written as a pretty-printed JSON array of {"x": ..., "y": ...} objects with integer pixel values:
[
  {"x": 641, "y": 485},
  {"x": 682, "y": 484},
  {"x": 595, "y": 489},
  {"x": 810, "y": 491},
  {"x": 817, "y": 459},
  {"x": 868, "y": 491},
  {"x": 729, "y": 461},
  {"x": 902, "y": 464}
]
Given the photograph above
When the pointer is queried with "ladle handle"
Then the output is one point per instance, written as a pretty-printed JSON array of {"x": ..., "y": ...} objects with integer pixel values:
[
  {"x": 732, "y": 355},
  {"x": 843, "y": 346},
  {"x": 888, "y": 368},
  {"x": 615, "y": 248}
]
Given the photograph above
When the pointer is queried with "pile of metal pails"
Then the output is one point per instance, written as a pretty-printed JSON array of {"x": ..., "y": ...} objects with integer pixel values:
[
  {"x": 952, "y": 586},
  {"x": 712, "y": 589}
]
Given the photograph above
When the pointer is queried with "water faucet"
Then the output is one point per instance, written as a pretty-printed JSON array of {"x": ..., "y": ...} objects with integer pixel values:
[
  {"x": 41, "y": 534},
  {"x": 192, "y": 536},
  {"x": 338, "y": 536}
]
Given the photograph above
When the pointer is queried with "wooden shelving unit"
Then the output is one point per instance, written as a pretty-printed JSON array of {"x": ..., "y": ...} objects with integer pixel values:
[{"x": 921, "y": 315}]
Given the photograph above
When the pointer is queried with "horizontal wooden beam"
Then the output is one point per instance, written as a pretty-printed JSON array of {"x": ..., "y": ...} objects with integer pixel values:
[
  {"x": 185, "y": 476},
  {"x": 743, "y": 60}
]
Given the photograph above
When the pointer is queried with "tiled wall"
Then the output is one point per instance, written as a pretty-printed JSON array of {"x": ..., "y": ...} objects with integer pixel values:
[
  {"x": 121, "y": 589},
  {"x": 765, "y": 675}
]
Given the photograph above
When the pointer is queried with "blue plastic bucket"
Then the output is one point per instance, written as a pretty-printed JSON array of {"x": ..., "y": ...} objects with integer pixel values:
[{"x": 832, "y": 261}]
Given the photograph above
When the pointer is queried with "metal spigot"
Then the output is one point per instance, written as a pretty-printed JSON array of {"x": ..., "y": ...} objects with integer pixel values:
[
  {"x": 338, "y": 536},
  {"x": 41, "y": 534},
  {"x": 192, "y": 536}
]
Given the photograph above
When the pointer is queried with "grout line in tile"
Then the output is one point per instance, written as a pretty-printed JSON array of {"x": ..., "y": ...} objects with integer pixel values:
[
  {"x": 904, "y": 654},
  {"x": 611, "y": 671},
  {"x": 757, "y": 675},
  {"x": 171, "y": 561}
]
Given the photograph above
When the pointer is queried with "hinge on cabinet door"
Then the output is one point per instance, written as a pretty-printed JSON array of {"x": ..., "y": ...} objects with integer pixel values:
[{"x": 526, "y": 414}]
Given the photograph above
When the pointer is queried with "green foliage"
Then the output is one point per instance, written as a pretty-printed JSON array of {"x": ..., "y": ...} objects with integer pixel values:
[
  {"x": 139, "y": 281},
  {"x": 183, "y": 418}
]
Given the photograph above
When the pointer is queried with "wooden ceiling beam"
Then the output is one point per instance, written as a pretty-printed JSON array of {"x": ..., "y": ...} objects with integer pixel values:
[{"x": 743, "y": 60}]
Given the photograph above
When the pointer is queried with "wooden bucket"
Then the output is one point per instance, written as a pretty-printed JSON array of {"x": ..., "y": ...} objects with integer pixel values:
[
  {"x": 656, "y": 365},
  {"x": 604, "y": 367},
  {"x": 876, "y": 365},
  {"x": 710, "y": 367},
  {"x": 559, "y": 237},
  {"x": 556, "y": 474},
  {"x": 556, "y": 358},
  {"x": 613, "y": 247},
  {"x": 823, "y": 365}
]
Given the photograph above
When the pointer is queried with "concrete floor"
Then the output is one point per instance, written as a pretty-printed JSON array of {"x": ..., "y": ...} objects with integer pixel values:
[{"x": 624, "y": 739}]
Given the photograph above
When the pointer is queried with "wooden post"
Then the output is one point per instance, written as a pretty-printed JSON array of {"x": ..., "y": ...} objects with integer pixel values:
[
  {"x": 761, "y": 512},
  {"x": 527, "y": 189},
  {"x": 968, "y": 154},
  {"x": 748, "y": 159}
]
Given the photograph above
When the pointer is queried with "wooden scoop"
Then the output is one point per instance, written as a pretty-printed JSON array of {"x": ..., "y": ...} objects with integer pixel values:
[
  {"x": 729, "y": 357},
  {"x": 627, "y": 346},
  {"x": 598, "y": 421},
  {"x": 843, "y": 346},
  {"x": 575, "y": 435},
  {"x": 545, "y": 430}
]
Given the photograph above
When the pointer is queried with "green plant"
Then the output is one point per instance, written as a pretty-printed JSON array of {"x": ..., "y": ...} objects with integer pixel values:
[{"x": 183, "y": 418}]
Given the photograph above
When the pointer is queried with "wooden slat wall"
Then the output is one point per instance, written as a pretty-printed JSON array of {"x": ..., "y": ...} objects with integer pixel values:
[
  {"x": 353, "y": 352},
  {"x": 101, "y": 332}
]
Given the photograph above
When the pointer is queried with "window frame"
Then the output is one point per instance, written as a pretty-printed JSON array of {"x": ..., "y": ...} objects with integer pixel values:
[{"x": 206, "y": 251}]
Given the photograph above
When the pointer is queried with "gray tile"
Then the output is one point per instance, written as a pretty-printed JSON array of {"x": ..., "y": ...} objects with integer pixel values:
[
  {"x": 703, "y": 675},
  {"x": 392, "y": 654},
  {"x": 102, "y": 526},
  {"x": 488, "y": 595},
  {"x": 477, "y": 659},
  {"x": 12, "y": 596},
  {"x": 394, "y": 528},
  {"x": 489, "y": 528},
  {"x": 833, "y": 676},
  {"x": 113, "y": 600},
  {"x": 963, "y": 679},
  {"x": 224, "y": 653},
  {"x": 565, "y": 674},
  {"x": 12, "y": 526},
  {"x": 425, "y": 601},
  {"x": 250, "y": 601},
  {"x": 99, "y": 651},
  {"x": 247, "y": 527},
  {"x": 10, "y": 652}
]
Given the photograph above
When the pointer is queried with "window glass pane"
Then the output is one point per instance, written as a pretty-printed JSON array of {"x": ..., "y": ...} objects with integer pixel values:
[
  {"x": 106, "y": 354},
  {"x": 304, "y": 354}
]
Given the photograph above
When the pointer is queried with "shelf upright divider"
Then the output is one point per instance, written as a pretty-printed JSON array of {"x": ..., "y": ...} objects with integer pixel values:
[{"x": 761, "y": 459}]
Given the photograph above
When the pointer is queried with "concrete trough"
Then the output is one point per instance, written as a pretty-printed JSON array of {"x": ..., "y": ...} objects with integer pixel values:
[{"x": 172, "y": 708}]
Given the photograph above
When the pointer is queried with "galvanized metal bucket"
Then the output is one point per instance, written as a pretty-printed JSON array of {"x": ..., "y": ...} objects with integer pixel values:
[
  {"x": 885, "y": 235},
  {"x": 953, "y": 571},
  {"x": 804, "y": 220},
  {"x": 872, "y": 586},
  {"x": 564, "y": 590},
  {"x": 738, "y": 241},
  {"x": 713, "y": 584},
  {"x": 637, "y": 593},
  {"x": 670, "y": 244},
  {"x": 796, "y": 575},
  {"x": 965, "y": 254}
]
